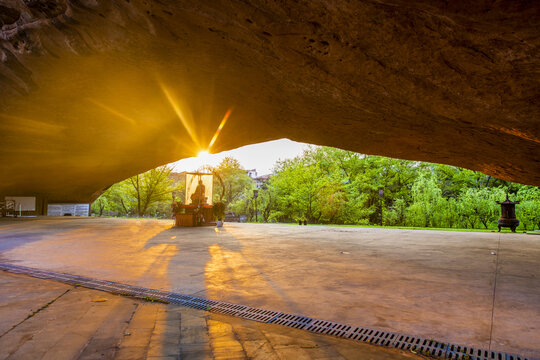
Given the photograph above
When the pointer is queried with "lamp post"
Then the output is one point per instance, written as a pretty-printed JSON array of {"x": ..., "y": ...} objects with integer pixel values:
[
  {"x": 255, "y": 195},
  {"x": 381, "y": 194}
]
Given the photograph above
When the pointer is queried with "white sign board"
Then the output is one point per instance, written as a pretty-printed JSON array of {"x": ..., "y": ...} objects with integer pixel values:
[
  {"x": 23, "y": 203},
  {"x": 68, "y": 209}
]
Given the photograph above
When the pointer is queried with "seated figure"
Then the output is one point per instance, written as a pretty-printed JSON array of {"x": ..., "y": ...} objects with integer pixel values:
[{"x": 198, "y": 196}]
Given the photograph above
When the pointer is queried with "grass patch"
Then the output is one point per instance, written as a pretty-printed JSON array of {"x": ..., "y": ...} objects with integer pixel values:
[
  {"x": 504, "y": 230},
  {"x": 131, "y": 218},
  {"x": 153, "y": 299}
]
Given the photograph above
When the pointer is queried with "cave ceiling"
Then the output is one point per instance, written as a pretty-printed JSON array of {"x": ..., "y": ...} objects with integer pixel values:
[{"x": 94, "y": 91}]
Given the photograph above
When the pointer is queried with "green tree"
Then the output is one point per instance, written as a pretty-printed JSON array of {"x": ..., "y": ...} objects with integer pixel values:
[
  {"x": 452, "y": 213},
  {"x": 245, "y": 204},
  {"x": 235, "y": 181},
  {"x": 113, "y": 200},
  {"x": 528, "y": 210},
  {"x": 329, "y": 185},
  {"x": 139, "y": 194},
  {"x": 479, "y": 205},
  {"x": 297, "y": 185},
  {"x": 395, "y": 215},
  {"x": 149, "y": 188},
  {"x": 266, "y": 201},
  {"x": 332, "y": 201},
  {"x": 428, "y": 203},
  {"x": 100, "y": 205}
]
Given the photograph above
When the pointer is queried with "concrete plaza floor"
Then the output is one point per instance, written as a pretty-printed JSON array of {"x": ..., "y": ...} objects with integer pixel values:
[
  {"x": 41, "y": 319},
  {"x": 479, "y": 289}
]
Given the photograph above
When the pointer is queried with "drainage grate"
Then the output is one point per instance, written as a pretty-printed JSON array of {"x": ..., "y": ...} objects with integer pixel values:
[
  {"x": 290, "y": 320},
  {"x": 464, "y": 352},
  {"x": 428, "y": 347},
  {"x": 420, "y": 345},
  {"x": 328, "y": 328},
  {"x": 376, "y": 337},
  {"x": 228, "y": 309},
  {"x": 260, "y": 315}
]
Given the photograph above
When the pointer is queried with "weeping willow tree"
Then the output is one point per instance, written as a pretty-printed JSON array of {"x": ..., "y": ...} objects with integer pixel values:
[{"x": 328, "y": 185}]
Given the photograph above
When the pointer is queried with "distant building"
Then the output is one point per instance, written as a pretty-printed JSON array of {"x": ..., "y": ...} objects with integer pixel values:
[
  {"x": 15, "y": 206},
  {"x": 252, "y": 173},
  {"x": 260, "y": 180}
]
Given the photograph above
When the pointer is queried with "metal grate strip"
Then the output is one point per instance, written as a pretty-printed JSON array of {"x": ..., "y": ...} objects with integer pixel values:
[
  {"x": 427, "y": 347},
  {"x": 469, "y": 352},
  {"x": 290, "y": 320}
]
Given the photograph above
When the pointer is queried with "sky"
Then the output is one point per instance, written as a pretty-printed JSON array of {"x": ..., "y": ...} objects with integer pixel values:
[{"x": 261, "y": 157}]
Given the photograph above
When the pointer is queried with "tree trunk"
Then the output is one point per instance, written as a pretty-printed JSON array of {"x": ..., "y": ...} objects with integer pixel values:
[
  {"x": 138, "y": 197},
  {"x": 124, "y": 206},
  {"x": 484, "y": 223}
]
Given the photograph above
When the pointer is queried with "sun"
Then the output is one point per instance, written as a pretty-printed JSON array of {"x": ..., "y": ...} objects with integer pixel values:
[{"x": 203, "y": 154}]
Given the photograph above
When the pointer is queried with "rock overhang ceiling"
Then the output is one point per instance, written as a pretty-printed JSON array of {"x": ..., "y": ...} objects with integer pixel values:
[{"x": 96, "y": 91}]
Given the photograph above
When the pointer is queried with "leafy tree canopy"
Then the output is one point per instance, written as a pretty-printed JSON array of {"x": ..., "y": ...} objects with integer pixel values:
[{"x": 329, "y": 185}]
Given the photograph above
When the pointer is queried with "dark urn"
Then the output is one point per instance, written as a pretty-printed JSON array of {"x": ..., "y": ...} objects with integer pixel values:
[{"x": 508, "y": 215}]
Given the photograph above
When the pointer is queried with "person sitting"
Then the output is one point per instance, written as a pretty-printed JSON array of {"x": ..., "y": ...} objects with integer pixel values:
[{"x": 198, "y": 198}]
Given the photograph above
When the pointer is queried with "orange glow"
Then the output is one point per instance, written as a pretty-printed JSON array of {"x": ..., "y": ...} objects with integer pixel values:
[
  {"x": 113, "y": 111},
  {"x": 21, "y": 124},
  {"x": 519, "y": 134},
  {"x": 180, "y": 115},
  {"x": 187, "y": 122},
  {"x": 148, "y": 262},
  {"x": 221, "y": 125}
]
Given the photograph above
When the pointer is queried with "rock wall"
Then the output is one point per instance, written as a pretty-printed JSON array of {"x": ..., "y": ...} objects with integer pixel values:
[{"x": 94, "y": 91}]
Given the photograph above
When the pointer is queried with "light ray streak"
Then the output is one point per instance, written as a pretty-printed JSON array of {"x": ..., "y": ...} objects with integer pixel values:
[
  {"x": 218, "y": 131},
  {"x": 180, "y": 115},
  {"x": 23, "y": 124},
  {"x": 113, "y": 111}
]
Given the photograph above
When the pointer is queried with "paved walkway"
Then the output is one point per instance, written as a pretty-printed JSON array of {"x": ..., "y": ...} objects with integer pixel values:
[
  {"x": 436, "y": 284},
  {"x": 41, "y": 319}
]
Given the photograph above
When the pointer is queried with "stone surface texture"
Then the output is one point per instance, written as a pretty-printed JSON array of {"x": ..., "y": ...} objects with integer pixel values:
[
  {"x": 94, "y": 91},
  {"x": 79, "y": 323},
  {"x": 443, "y": 285}
]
